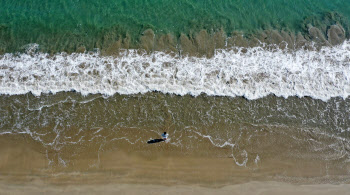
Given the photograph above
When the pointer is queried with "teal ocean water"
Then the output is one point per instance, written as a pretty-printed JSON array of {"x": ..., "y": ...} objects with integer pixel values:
[
  {"x": 261, "y": 86},
  {"x": 66, "y": 25}
]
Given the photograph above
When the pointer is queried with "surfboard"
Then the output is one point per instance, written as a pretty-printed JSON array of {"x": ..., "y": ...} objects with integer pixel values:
[
  {"x": 152, "y": 141},
  {"x": 155, "y": 141}
]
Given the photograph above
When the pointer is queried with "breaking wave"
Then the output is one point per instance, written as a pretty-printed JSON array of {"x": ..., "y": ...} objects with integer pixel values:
[{"x": 249, "y": 72}]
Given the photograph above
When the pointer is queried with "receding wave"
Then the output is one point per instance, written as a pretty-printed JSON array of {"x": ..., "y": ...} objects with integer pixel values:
[{"x": 249, "y": 72}]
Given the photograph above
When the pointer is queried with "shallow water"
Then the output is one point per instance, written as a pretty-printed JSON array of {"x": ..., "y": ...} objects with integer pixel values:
[{"x": 293, "y": 134}]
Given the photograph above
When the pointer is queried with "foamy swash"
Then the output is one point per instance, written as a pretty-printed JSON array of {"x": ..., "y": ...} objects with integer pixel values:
[{"x": 252, "y": 73}]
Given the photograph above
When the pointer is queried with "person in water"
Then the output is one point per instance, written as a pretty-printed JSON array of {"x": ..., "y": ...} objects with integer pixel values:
[{"x": 164, "y": 136}]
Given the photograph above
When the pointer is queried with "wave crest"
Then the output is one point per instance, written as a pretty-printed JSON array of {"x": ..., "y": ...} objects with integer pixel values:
[{"x": 249, "y": 72}]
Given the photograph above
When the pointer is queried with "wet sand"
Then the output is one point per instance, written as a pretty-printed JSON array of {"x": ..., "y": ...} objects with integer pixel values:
[
  {"x": 268, "y": 188},
  {"x": 25, "y": 169}
]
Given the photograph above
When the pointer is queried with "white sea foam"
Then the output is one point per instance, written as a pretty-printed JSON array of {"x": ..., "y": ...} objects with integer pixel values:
[{"x": 253, "y": 74}]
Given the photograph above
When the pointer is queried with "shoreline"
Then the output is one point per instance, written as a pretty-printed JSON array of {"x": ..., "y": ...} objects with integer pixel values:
[{"x": 23, "y": 161}]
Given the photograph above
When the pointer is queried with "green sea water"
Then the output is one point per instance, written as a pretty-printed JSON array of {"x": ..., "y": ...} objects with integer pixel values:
[{"x": 65, "y": 25}]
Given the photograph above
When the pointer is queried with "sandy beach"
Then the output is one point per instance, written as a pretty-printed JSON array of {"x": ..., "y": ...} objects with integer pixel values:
[
  {"x": 261, "y": 188},
  {"x": 25, "y": 169}
]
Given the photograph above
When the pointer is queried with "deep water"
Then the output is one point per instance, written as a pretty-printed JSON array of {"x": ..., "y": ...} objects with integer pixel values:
[{"x": 73, "y": 25}]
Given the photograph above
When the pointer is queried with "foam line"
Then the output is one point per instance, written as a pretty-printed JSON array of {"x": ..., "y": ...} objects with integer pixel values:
[{"x": 253, "y": 73}]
